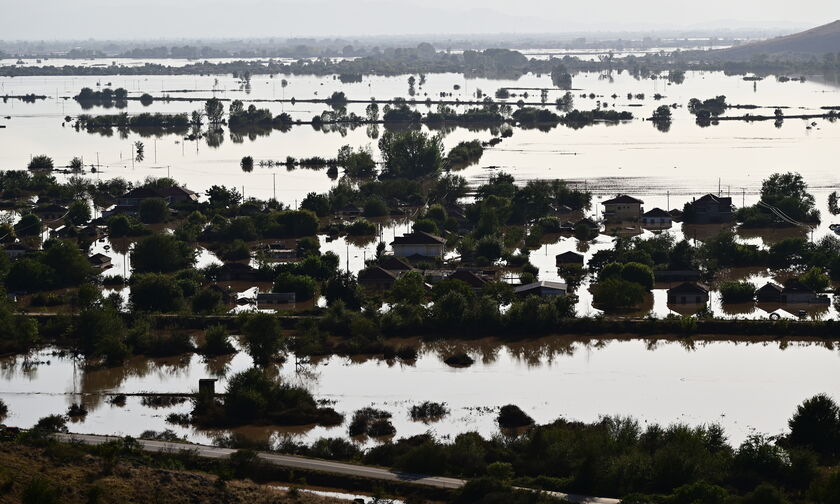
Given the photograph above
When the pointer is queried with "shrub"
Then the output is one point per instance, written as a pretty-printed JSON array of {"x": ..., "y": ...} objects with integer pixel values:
[
  {"x": 737, "y": 292},
  {"x": 51, "y": 423},
  {"x": 216, "y": 342},
  {"x": 40, "y": 490},
  {"x": 428, "y": 411},
  {"x": 371, "y": 422},
  {"x": 511, "y": 417}
]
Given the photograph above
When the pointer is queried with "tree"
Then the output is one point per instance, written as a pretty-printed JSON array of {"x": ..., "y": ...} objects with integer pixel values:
[
  {"x": 206, "y": 301},
  {"x": 357, "y": 164},
  {"x": 69, "y": 265},
  {"x": 410, "y": 154},
  {"x": 816, "y": 426},
  {"x": 214, "y": 110},
  {"x": 303, "y": 286},
  {"x": 615, "y": 294},
  {"x": 409, "y": 288},
  {"x": 156, "y": 293},
  {"x": 816, "y": 279},
  {"x": 76, "y": 164},
  {"x": 101, "y": 332},
  {"x": 343, "y": 287},
  {"x": 662, "y": 114},
  {"x": 317, "y": 203},
  {"x": 41, "y": 162},
  {"x": 78, "y": 213},
  {"x": 247, "y": 164},
  {"x": 153, "y": 210},
  {"x": 261, "y": 336},
  {"x": 489, "y": 247},
  {"x": 638, "y": 273},
  {"x": 28, "y": 225},
  {"x": 161, "y": 253},
  {"x": 216, "y": 342},
  {"x": 789, "y": 193}
]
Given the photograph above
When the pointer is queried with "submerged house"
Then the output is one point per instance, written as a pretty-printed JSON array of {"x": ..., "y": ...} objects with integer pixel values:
[
  {"x": 395, "y": 265},
  {"x": 669, "y": 276},
  {"x": 275, "y": 298},
  {"x": 17, "y": 249},
  {"x": 418, "y": 243},
  {"x": 623, "y": 208},
  {"x": 688, "y": 293},
  {"x": 237, "y": 272},
  {"x": 795, "y": 292},
  {"x": 477, "y": 282},
  {"x": 769, "y": 293},
  {"x": 542, "y": 288},
  {"x": 657, "y": 218},
  {"x": 100, "y": 261},
  {"x": 569, "y": 259},
  {"x": 51, "y": 212},
  {"x": 709, "y": 209},
  {"x": 377, "y": 279}
]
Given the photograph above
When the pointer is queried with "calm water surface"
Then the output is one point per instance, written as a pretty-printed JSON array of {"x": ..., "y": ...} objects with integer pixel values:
[{"x": 746, "y": 387}]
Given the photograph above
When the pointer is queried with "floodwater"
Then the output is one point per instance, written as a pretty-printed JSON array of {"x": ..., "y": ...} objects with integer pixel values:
[
  {"x": 745, "y": 387},
  {"x": 665, "y": 169}
]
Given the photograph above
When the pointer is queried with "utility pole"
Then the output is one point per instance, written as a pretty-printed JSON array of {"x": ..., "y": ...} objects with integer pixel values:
[
  {"x": 274, "y": 184},
  {"x": 668, "y": 205}
]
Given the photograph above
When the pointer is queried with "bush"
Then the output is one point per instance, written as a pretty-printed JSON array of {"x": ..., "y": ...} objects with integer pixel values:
[
  {"x": 511, "y": 417},
  {"x": 737, "y": 292},
  {"x": 51, "y": 423},
  {"x": 459, "y": 360},
  {"x": 371, "y": 422},
  {"x": 253, "y": 397},
  {"x": 428, "y": 411},
  {"x": 40, "y": 490},
  {"x": 216, "y": 342}
]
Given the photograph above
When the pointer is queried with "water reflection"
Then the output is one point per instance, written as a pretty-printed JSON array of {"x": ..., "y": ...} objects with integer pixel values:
[{"x": 662, "y": 380}]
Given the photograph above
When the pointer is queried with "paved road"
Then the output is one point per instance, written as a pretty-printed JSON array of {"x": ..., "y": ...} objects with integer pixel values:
[{"x": 308, "y": 464}]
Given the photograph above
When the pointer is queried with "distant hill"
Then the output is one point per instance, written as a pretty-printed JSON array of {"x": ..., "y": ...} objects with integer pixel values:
[{"x": 813, "y": 42}]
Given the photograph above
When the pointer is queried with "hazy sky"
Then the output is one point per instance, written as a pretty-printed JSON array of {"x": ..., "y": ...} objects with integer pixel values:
[{"x": 121, "y": 19}]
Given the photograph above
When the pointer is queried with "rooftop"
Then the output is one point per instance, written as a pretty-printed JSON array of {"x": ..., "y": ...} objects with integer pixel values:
[
  {"x": 623, "y": 199},
  {"x": 419, "y": 238}
]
